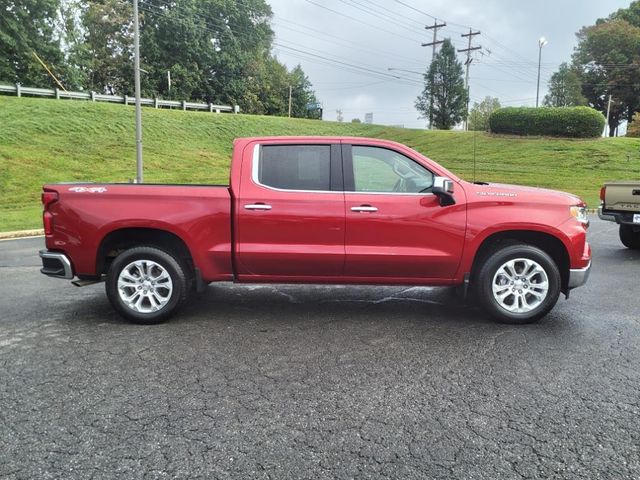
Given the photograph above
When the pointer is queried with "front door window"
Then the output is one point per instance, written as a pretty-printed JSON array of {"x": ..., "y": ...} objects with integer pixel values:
[{"x": 378, "y": 170}]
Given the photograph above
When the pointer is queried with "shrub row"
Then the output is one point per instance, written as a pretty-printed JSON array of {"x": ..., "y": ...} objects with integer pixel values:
[{"x": 576, "y": 122}]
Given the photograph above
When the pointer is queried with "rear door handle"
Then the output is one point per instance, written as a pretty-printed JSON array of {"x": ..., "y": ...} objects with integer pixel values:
[
  {"x": 364, "y": 208},
  {"x": 257, "y": 206}
]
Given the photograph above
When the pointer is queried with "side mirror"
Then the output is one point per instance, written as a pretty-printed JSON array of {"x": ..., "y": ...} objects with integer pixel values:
[{"x": 443, "y": 189}]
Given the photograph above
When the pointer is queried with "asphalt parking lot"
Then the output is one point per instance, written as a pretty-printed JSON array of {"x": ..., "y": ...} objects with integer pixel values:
[{"x": 319, "y": 382}]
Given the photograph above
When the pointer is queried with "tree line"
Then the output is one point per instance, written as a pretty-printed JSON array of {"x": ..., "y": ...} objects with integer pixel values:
[
  {"x": 605, "y": 64},
  {"x": 203, "y": 50}
]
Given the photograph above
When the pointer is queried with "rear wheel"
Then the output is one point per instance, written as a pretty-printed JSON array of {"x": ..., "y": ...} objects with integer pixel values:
[
  {"x": 518, "y": 284},
  {"x": 629, "y": 237},
  {"x": 146, "y": 285}
]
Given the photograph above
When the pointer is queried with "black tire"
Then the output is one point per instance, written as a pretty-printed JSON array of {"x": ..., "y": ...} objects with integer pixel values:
[
  {"x": 175, "y": 295},
  {"x": 629, "y": 237},
  {"x": 489, "y": 269}
]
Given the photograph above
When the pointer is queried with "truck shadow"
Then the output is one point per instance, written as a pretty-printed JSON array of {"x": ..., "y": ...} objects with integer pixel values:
[
  {"x": 307, "y": 306},
  {"x": 318, "y": 303}
]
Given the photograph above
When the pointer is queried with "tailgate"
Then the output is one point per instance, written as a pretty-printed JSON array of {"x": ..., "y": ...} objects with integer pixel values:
[{"x": 623, "y": 196}]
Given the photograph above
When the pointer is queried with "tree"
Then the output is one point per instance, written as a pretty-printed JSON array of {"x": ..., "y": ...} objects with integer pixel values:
[
  {"x": 480, "y": 113},
  {"x": 444, "y": 97},
  {"x": 28, "y": 27},
  {"x": 608, "y": 61},
  {"x": 565, "y": 89},
  {"x": 71, "y": 34},
  {"x": 302, "y": 93},
  {"x": 214, "y": 50},
  {"x": 104, "y": 56},
  {"x": 219, "y": 43}
]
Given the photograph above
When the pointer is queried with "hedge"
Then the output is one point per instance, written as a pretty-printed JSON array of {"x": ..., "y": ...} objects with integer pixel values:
[{"x": 576, "y": 122}]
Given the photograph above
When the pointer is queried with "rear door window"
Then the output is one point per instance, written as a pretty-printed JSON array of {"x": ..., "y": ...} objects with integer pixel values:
[{"x": 295, "y": 167}]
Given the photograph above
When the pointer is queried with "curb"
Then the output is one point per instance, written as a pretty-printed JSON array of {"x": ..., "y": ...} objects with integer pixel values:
[{"x": 21, "y": 234}]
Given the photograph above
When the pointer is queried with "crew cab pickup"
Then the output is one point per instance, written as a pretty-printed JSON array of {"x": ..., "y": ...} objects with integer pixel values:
[
  {"x": 620, "y": 203},
  {"x": 328, "y": 210}
]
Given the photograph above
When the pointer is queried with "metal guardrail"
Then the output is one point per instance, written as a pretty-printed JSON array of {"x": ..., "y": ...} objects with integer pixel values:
[{"x": 57, "y": 93}]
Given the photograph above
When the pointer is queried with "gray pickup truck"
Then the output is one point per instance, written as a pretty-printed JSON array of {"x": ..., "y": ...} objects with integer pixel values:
[{"x": 620, "y": 203}]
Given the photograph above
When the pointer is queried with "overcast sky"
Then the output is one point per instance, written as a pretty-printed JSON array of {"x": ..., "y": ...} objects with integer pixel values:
[{"x": 347, "y": 46}]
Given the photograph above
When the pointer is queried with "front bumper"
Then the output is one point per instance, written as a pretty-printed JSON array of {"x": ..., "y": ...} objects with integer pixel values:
[
  {"x": 579, "y": 276},
  {"x": 55, "y": 264}
]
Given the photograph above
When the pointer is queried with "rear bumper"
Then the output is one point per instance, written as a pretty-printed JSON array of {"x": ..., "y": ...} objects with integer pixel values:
[
  {"x": 622, "y": 218},
  {"x": 55, "y": 264},
  {"x": 579, "y": 276},
  {"x": 605, "y": 216}
]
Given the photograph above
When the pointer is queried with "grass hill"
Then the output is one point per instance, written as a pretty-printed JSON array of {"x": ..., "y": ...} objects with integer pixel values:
[{"x": 44, "y": 141}]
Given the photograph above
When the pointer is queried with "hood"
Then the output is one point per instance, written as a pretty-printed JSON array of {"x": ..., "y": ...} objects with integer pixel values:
[{"x": 515, "y": 192}]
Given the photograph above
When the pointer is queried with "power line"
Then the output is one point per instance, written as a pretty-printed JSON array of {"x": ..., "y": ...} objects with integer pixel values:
[
  {"x": 340, "y": 41},
  {"x": 350, "y": 66},
  {"x": 428, "y": 14},
  {"x": 360, "y": 21}
]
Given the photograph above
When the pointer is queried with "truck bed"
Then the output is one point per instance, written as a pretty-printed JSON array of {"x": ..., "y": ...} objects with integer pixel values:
[
  {"x": 622, "y": 196},
  {"x": 199, "y": 215}
]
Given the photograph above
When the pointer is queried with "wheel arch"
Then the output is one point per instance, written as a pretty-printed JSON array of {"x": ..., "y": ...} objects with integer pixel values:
[
  {"x": 548, "y": 243},
  {"x": 122, "y": 239}
]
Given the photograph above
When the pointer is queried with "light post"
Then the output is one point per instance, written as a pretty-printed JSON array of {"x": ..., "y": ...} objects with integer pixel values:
[
  {"x": 541, "y": 43},
  {"x": 136, "y": 75}
]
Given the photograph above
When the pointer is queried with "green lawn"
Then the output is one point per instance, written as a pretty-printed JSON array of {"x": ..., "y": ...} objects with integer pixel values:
[{"x": 44, "y": 141}]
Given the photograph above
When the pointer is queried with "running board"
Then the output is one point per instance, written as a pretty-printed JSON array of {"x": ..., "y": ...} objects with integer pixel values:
[{"x": 84, "y": 283}]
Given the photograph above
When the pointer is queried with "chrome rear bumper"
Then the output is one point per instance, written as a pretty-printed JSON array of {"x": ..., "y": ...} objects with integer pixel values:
[
  {"x": 56, "y": 265},
  {"x": 604, "y": 216}
]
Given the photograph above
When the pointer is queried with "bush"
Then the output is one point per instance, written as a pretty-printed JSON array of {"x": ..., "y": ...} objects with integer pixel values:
[
  {"x": 633, "y": 130},
  {"x": 576, "y": 122}
]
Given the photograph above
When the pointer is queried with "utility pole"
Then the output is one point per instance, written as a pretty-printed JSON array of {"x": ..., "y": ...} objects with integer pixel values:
[
  {"x": 435, "y": 41},
  {"x": 433, "y": 44},
  {"x": 468, "y": 51},
  {"x": 289, "y": 100},
  {"x": 606, "y": 127},
  {"x": 136, "y": 75}
]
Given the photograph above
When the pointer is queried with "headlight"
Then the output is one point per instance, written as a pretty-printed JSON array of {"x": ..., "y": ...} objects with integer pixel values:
[{"x": 580, "y": 214}]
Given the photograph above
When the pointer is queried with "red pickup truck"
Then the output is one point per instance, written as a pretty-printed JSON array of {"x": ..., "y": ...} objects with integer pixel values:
[{"x": 329, "y": 210}]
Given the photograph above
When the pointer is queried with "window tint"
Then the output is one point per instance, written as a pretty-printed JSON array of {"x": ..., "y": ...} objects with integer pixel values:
[
  {"x": 381, "y": 170},
  {"x": 295, "y": 167}
]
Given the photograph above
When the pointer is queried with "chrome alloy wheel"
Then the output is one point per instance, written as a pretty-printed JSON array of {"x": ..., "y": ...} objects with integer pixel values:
[
  {"x": 520, "y": 285},
  {"x": 145, "y": 286}
]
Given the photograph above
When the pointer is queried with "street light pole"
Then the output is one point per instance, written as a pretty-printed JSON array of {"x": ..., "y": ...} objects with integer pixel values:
[
  {"x": 136, "y": 75},
  {"x": 541, "y": 43}
]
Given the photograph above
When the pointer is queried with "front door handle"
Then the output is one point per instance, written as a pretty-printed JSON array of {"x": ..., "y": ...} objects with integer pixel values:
[
  {"x": 364, "y": 208},
  {"x": 257, "y": 206}
]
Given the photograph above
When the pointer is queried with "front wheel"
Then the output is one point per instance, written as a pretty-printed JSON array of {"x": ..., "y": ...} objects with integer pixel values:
[
  {"x": 629, "y": 237},
  {"x": 146, "y": 285},
  {"x": 518, "y": 284}
]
